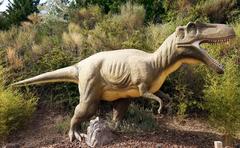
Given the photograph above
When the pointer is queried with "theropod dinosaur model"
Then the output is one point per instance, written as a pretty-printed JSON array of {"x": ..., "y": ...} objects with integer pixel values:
[{"x": 130, "y": 73}]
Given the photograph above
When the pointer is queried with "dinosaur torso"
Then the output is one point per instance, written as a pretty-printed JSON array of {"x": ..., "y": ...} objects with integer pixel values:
[{"x": 121, "y": 71}]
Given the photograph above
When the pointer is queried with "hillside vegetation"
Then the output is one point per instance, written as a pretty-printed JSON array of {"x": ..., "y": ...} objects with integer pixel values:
[{"x": 44, "y": 43}]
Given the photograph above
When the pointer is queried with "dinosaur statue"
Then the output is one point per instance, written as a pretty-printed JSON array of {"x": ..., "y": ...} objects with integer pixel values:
[{"x": 130, "y": 73}]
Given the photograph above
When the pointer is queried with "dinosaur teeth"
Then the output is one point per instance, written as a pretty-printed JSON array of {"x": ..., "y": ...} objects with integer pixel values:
[
  {"x": 228, "y": 43},
  {"x": 217, "y": 41}
]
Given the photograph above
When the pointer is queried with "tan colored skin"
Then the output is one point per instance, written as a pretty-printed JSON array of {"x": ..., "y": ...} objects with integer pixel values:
[{"x": 130, "y": 73}]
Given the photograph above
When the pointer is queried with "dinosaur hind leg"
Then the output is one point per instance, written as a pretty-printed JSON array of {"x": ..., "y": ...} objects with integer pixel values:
[
  {"x": 83, "y": 111},
  {"x": 119, "y": 108}
]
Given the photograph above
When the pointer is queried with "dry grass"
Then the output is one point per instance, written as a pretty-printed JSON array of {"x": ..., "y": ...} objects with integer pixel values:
[{"x": 14, "y": 60}]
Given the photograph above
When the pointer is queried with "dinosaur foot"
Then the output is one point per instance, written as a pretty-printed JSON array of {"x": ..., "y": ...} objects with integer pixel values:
[{"x": 75, "y": 135}]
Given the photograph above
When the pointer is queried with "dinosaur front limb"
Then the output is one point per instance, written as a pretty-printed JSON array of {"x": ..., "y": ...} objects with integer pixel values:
[
  {"x": 154, "y": 97},
  {"x": 146, "y": 94}
]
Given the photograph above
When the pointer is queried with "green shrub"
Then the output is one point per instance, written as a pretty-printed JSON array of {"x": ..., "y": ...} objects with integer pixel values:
[
  {"x": 157, "y": 33},
  {"x": 185, "y": 87},
  {"x": 86, "y": 17},
  {"x": 35, "y": 49},
  {"x": 61, "y": 95},
  {"x": 222, "y": 94},
  {"x": 218, "y": 11},
  {"x": 215, "y": 11},
  {"x": 154, "y": 8},
  {"x": 138, "y": 119},
  {"x": 14, "y": 110},
  {"x": 110, "y": 33}
]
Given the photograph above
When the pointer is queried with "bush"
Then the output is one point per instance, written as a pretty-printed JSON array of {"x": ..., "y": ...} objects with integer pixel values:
[
  {"x": 218, "y": 11},
  {"x": 154, "y": 8},
  {"x": 14, "y": 110},
  {"x": 157, "y": 33},
  {"x": 61, "y": 95},
  {"x": 138, "y": 119},
  {"x": 215, "y": 11},
  {"x": 110, "y": 33},
  {"x": 34, "y": 49},
  {"x": 222, "y": 94}
]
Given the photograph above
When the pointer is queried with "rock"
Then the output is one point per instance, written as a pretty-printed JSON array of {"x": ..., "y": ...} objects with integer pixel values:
[
  {"x": 238, "y": 145},
  {"x": 98, "y": 133}
]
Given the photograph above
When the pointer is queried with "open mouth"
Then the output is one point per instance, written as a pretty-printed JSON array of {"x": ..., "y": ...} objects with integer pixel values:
[{"x": 211, "y": 62}]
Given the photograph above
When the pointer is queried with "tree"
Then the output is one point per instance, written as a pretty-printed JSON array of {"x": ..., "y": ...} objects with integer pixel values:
[
  {"x": 2, "y": 22},
  {"x": 18, "y": 11}
]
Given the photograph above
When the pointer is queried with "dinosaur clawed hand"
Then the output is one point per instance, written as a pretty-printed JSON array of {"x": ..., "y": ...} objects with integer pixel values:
[{"x": 75, "y": 135}]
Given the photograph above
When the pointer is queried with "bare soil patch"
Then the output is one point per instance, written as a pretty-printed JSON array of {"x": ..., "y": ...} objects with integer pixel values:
[{"x": 41, "y": 132}]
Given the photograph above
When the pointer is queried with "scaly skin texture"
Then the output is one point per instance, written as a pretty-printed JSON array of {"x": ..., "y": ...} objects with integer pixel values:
[{"x": 130, "y": 73}]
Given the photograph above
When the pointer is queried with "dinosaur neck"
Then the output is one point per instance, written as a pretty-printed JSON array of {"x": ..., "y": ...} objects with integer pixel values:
[{"x": 165, "y": 55}]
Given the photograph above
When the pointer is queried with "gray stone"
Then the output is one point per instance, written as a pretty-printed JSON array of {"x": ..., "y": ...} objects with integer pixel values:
[{"x": 98, "y": 133}]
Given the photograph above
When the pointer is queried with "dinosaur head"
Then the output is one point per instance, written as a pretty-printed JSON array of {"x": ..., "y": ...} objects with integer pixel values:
[{"x": 188, "y": 39}]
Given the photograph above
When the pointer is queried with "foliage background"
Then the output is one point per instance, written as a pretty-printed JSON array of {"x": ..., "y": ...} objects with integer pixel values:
[{"x": 34, "y": 43}]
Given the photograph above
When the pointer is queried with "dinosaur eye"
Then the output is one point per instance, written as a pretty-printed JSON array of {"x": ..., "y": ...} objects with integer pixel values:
[
  {"x": 191, "y": 29},
  {"x": 180, "y": 33}
]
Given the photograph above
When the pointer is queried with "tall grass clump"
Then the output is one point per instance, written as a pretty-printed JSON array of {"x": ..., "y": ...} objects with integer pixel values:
[
  {"x": 90, "y": 31},
  {"x": 15, "y": 110},
  {"x": 32, "y": 49}
]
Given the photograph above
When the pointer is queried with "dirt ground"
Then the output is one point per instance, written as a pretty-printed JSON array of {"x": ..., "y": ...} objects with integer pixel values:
[{"x": 188, "y": 133}]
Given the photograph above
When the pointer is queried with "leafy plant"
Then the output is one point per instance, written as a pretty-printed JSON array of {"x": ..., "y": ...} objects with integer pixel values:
[
  {"x": 222, "y": 94},
  {"x": 138, "y": 119},
  {"x": 14, "y": 109}
]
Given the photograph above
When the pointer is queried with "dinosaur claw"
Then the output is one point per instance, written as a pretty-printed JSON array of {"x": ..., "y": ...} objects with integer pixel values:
[
  {"x": 75, "y": 135},
  {"x": 78, "y": 136},
  {"x": 71, "y": 136}
]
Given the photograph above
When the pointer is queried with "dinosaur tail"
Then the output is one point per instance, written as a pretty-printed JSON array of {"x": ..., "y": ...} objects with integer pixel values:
[{"x": 67, "y": 74}]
